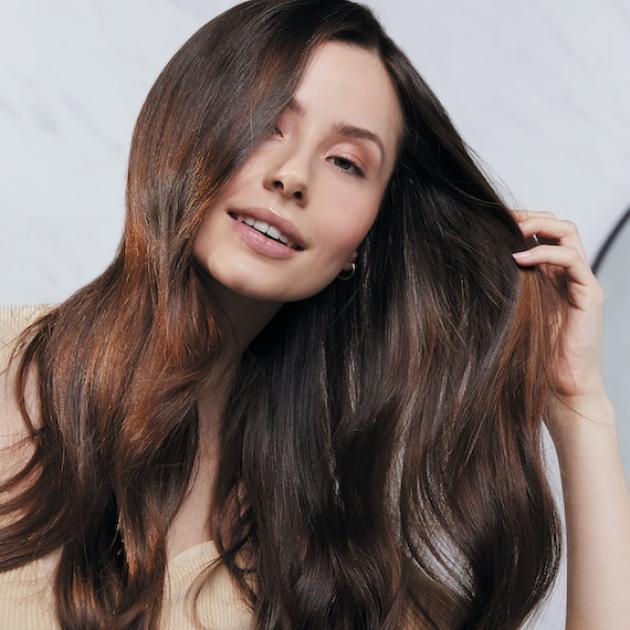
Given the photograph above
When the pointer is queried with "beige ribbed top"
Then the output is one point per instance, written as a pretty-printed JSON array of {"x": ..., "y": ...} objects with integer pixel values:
[{"x": 26, "y": 599}]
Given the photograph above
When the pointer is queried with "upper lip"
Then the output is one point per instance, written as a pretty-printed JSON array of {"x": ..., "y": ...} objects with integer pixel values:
[{"x": 273, "y": 218}]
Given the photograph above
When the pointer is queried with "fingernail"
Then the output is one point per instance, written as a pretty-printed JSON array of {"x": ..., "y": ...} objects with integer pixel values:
[{"x": 520, "y": 255}]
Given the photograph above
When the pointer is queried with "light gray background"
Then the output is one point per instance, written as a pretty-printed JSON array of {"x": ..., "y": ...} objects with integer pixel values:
[{"x": 539, "y": 90}]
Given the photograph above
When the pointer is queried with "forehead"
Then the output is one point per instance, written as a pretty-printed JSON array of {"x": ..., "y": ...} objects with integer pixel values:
[{"x": 350, "y": 83}]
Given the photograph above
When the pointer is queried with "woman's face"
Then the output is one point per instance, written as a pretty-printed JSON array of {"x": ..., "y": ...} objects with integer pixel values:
[{"x": 327, "y": 183}]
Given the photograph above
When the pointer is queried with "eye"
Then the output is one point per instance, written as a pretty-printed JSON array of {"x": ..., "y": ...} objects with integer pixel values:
[{"x": 354, "y": 168}]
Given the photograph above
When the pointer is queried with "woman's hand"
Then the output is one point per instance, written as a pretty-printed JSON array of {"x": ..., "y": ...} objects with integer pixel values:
[
  {"x": 594, "y": 487},
  {"x": 577, "y": 366}
]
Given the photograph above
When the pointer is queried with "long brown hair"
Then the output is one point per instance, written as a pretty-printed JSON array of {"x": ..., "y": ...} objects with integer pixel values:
[{"x": 381, "y": 453}]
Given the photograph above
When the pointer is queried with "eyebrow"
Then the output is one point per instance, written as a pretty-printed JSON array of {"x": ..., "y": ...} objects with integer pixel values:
[{"x": 343, "y": 128}]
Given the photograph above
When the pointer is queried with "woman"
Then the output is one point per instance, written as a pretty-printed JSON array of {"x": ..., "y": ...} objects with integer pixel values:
[{"x": 347, "y": 422}]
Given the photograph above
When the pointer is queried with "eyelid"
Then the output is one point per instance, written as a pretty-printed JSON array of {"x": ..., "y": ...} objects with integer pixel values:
[{"x": 359, "y": 170}]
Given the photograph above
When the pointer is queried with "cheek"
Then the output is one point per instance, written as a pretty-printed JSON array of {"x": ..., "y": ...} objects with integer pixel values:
[
  {"x": 344, "y": 231},
  {"x": 201, "y": 241}
]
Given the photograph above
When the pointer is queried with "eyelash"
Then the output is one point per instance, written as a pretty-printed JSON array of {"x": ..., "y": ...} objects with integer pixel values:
[{"x": 358, "y": 171}]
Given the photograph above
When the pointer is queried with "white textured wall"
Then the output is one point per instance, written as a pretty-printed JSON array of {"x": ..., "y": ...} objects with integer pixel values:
[{"x": 539, "y": 90}]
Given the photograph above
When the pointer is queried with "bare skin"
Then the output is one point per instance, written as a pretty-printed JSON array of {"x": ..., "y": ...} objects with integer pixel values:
[{"x": 302, "y": 172}]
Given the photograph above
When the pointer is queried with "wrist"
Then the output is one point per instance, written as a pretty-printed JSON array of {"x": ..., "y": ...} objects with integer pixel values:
[{"x": 583, "y": 416}]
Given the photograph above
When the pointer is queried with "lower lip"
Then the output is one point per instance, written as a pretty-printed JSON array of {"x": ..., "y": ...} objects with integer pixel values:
[{"x": 260, "y": 243}]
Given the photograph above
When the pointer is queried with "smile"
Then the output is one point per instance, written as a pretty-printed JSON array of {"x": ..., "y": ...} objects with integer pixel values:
[
  {"x": 267, "y": 229},
  {"x": 262, "y": 242}
]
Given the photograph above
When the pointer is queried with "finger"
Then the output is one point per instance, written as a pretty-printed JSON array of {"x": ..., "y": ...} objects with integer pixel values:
[
  {"x": 568, "y": 257},
  {"x": 521, "y": 215},
  {"x": 565, "y": 231}
]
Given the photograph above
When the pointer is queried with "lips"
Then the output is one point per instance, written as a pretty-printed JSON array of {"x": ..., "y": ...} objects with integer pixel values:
[{"x": 273, "y": 218}]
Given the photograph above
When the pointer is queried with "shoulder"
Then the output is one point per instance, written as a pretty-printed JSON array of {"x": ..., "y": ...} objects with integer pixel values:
[{"x": 13, "y": 319}]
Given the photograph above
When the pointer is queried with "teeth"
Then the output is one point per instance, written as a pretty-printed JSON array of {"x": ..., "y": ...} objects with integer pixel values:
[
  {"x": 277, "y": 234},
  {"x": 265, "y": 228}
]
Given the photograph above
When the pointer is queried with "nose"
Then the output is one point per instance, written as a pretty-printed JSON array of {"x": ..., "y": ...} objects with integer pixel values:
[{"x": 288, "y": 182}]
